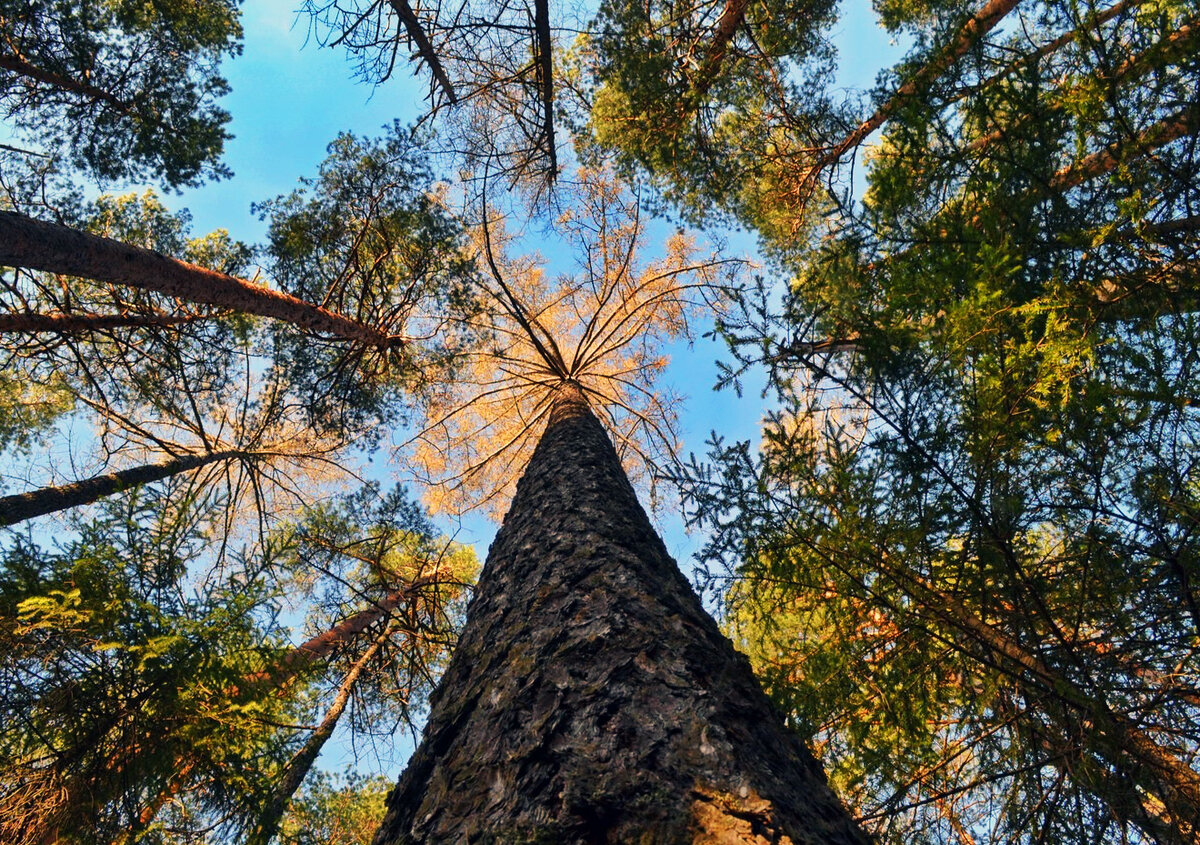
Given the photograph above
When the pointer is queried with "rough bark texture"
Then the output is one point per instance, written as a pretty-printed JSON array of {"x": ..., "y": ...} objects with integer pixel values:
[
  {"x": 591, "y": 699},
  {"x": 74, "y": 324}
]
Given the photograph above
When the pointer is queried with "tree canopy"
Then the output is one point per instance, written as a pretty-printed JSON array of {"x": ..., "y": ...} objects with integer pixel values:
[{"x": 962, "y": 554}]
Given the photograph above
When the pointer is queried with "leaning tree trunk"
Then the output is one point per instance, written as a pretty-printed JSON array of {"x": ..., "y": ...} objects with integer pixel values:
[
  {"x": 591, "y": 699},
  {"x": 38, "y": 245},
  {"x": 46, "y": 500}
]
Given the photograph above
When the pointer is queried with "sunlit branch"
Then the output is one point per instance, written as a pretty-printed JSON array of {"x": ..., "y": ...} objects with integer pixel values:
[{"x": 975, "y": 28}]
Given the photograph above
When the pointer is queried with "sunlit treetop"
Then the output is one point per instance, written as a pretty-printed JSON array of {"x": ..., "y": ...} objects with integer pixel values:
[{"x": 604, "y": 327}]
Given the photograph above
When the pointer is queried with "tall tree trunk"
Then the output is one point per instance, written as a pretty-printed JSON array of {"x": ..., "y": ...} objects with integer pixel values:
[
  {"x": 298, "y": 767},
  {"x": 22, "y": 506},
  {"x": 38, "y": 245},
  {"x": 732, "y": 15},
  {"x": 591, "y": 699}
]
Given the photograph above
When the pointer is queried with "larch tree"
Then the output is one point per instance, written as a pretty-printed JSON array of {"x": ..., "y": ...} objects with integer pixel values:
[
  {"x": 602, "y": 326},
  {"x": 590, "y": 697}
]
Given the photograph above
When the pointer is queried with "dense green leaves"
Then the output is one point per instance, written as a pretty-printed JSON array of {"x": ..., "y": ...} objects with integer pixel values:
[
  {"x": 123, "y": 674},
  {"x": 147, "y": 687},
  {"x": 693, "y": 94},
  {"x": 370, "y": 238},
  {"x": 122, "y": 89}
]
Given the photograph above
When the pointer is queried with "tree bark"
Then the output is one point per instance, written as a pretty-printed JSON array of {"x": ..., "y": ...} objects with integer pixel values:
[
  {"x": 38, "y": 245},
  {"x": 1184, "y": 122},
  {"x": 46, "y": 500},
  {"x": 591, "y": 699},
  {"x": 732, "y": 15}
]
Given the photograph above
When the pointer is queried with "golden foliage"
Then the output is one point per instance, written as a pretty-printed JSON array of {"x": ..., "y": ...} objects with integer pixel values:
[{"x": 604, "y": 327}]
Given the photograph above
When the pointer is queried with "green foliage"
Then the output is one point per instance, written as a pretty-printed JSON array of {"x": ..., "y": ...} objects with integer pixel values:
[
  {"x": 341, "y": 810},
  {"x": 147, "y": 686},
  {"x": 123, "y": 89},
  {"x": 694, "y": 108},
  {"x": 27, "y": 411},
  {"x": 370, "y": 238},
  {"x": 963, "y": 557},
  {"x": 124, "y": 678}
]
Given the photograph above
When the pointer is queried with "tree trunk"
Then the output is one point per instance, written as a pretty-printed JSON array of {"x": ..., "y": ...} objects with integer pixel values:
[
  {"x": 38, "y": 245},
  {"x": 22, "y": 506},
  {"x": 591, "y": 699},
  {"x": 76, "y": 324},
  {"x": 300, "y": 765},
  {"x": 732, "y": 15},
  {"x": 544, "y": 57}
]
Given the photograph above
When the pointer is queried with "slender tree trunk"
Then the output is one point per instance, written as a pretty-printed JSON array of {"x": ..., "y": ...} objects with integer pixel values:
[
  {"x": 545, "y": 76},
  {"x": 1046, "y": 49},
  {"x": 38, "y": 245},
  {"x": 732, "y": 15},
  {"x": 22, "y": 506},
  {"x": 298, "y": 767},
  {"x": 74, "y": 324},
  {"x": 591, "y": 699},
  {"x": 1139, "y": 63},
  {"x": 320, "y": 647},
  {"x": 1184, "y": 122}
]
